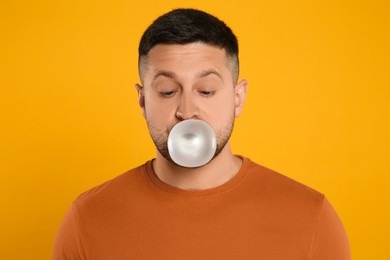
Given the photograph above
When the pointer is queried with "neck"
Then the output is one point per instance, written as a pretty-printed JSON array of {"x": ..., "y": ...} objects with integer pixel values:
[{"x": 218, "y": 171}]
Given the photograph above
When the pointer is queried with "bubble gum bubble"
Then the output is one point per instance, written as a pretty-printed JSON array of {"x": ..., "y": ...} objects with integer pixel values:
[{"x": 192, "y": 143}]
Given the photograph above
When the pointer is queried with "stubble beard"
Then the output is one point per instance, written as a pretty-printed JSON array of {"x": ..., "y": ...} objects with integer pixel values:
[{"x": 160, "y": 139}]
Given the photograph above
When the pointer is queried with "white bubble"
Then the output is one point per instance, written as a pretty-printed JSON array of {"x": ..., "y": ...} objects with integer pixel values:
[{"x": 192, "y": 143}]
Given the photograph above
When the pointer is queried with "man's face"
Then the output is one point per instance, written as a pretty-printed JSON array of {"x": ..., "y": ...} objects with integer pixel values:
[{"x": 192, "y": 81}]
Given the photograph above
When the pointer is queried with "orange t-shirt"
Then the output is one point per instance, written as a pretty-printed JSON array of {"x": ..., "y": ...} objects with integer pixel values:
[{"x": 259, "y": 214}]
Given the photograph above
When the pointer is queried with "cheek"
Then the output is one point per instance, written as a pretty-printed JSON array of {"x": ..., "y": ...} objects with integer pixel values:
[
  {"x": 225, "y": 104},
  {"x": 221, "y": 111},
  {"x": 159, "y": 113}
]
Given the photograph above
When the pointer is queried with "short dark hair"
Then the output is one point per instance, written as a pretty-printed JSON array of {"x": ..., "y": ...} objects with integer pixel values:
[{"x": 184, "y": 26}]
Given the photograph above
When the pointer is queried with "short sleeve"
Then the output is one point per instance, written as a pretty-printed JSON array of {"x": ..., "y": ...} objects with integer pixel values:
[
  {"x": 330, "y": 241},
  {"x": 68, "y": 244}
]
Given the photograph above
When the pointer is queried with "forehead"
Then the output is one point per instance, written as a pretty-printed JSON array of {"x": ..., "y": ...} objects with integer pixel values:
[
  {"x": 172, "y": 51},
  {"x": 183, "y": 58}
]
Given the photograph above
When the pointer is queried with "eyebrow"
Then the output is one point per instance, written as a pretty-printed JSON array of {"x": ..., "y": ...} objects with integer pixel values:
[
  {"x": 164, "y": 73},
  {"x": 200, "y": 75},
  {"x": 208, "y": 72}
]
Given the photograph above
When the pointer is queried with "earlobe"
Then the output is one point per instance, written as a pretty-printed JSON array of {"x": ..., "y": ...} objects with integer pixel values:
[
  {"x": 141, "y": 97},
  {"x": 240, "y": 96}
]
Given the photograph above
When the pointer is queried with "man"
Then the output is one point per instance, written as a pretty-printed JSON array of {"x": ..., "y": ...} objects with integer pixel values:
[{"x": 229, "y": 208}]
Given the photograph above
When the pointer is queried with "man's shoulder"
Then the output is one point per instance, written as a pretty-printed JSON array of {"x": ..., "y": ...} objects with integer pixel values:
[
  {"x": 278, "y": 186},
  {"x": 116, "y": 187}
]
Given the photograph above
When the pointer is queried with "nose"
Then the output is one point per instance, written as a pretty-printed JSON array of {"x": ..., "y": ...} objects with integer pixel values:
[{"x": 187, "y": 108}]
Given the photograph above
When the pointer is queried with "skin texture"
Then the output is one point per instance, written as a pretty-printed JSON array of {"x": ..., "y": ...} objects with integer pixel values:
[{"x": 192, "y": 81}]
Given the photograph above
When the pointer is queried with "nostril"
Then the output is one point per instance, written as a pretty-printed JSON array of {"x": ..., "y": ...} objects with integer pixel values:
[
  {"x": 179, "y": 115},
  {"x": 185, "y": 116},
  {"x": 187, "y": 112}
]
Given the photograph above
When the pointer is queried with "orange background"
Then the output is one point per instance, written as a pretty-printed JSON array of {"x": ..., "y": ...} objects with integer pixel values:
[{"x": 317, "y": 110}]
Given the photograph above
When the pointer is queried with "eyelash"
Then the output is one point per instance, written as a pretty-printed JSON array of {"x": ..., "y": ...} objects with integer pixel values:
[
  {"x": 207, "y": 93},
  {"x": 172, "y": 92},
  {"x": 166, "y": 93}
]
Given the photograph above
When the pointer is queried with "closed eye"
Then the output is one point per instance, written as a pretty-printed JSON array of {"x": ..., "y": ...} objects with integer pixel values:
[
  {"x": 207, "y": 93},
  {"x": 167, "y": 93}
]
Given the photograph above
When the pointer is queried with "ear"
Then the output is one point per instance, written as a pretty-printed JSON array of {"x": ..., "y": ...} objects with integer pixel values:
[
  {"x": 141, "y": 97},
  {"x": 240, "y": 95}
]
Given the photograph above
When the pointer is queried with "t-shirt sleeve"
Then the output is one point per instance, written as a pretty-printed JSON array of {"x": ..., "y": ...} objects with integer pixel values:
[
  {"x": 68, "y": 243},
  {"x": 330, "y": 241}
]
